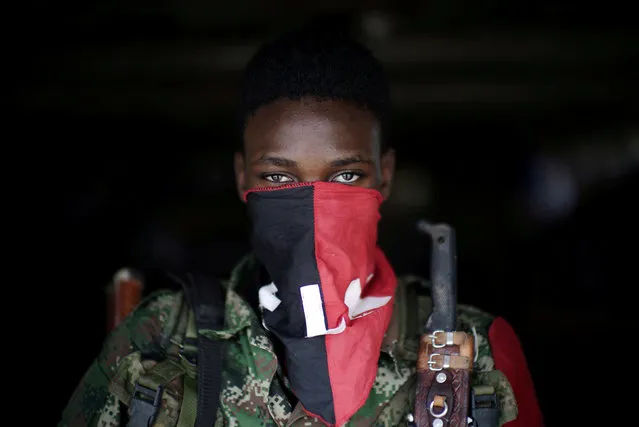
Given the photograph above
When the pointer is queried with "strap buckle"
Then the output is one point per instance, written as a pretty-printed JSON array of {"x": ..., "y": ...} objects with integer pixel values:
[
  {"x": 438, "y": 365},
  {"x": 145, "y": 405},
  {"x": 448, "y": 338},
  {"x": 484, "y": 408}
]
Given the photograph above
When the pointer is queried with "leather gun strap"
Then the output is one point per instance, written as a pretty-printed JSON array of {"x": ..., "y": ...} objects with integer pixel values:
[{"x": 442, "y": 392}]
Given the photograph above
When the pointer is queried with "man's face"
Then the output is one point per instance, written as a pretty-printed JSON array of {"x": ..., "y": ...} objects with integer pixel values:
[{"x": 307, "y": 140}]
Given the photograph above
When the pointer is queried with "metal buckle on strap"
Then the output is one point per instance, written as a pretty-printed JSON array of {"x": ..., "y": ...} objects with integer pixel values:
[
  {"x": 435, "y": 365},
  {"x": 449, "y": 339},
  {"x": 145, "y": 405}
]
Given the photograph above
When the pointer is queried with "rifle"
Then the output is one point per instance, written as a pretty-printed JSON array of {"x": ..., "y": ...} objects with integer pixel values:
[{"x": 445, "y": 355}]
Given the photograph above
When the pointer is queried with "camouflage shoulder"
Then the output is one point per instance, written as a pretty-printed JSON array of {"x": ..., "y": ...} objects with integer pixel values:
[
  {"x": 142, "y": 330},
  {"x": 91, "y": 402}
]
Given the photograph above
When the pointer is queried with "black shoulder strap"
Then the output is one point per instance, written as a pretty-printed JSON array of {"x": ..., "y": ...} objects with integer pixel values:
[{"x": 206, "y": 299}]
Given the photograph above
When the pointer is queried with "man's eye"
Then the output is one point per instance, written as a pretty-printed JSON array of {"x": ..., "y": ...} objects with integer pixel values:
[
  {"x": 347, "y": 177},
  {"x": 277, "y": 178}
]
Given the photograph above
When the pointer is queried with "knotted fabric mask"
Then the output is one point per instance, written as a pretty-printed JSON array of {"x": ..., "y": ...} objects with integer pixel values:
[{"x": 331, "y": 296}]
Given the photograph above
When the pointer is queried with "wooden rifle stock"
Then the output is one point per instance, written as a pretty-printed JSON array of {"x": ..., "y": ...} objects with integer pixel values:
[{"x": 123, "y": 294}]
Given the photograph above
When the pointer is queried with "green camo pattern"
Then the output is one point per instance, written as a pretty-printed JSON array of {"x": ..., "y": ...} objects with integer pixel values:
[{"x": 252, "y": 382}]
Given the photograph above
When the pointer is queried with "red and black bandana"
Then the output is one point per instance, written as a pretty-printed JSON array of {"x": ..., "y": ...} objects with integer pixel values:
[{"x": 331, "y": 296}]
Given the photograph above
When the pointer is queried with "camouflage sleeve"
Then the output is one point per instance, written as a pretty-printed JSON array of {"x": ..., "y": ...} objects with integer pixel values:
[{"x": 91, "y": 404}]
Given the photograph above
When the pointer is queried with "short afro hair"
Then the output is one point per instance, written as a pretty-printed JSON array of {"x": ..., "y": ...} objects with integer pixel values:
[{"x": 315, "y": 63}]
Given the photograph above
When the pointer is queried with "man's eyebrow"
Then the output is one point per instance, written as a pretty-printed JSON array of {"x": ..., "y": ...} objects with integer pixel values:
[
  {"x": 275, "y": 161},
  {"x": 345, "y": 161}
]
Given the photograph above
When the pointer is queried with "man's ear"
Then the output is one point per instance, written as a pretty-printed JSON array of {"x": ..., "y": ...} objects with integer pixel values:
[
  {"x": 387, "y": 166},
  {"x": 240, "y": 174}
]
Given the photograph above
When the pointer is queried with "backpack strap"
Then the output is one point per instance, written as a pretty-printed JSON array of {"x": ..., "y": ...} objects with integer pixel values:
[{"x": 206, "y": 299}]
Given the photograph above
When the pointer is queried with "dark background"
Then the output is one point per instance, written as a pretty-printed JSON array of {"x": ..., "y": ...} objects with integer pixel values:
[{"x": 515, "y": 121}]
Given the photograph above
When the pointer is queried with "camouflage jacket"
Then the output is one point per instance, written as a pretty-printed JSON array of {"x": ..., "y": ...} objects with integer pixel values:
[{"x": 253, "y": 385}]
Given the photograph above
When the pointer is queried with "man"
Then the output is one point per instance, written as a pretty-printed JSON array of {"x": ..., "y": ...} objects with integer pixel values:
[{"x": 317, "y": 328}]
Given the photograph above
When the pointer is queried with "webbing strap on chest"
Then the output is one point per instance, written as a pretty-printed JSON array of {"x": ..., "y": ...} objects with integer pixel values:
[{"x": 206, "y": 299}]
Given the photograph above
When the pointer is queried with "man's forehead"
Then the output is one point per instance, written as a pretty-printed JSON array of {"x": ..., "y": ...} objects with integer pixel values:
[
  {"x": 313, "y": 107},
  {"x": 312, "y": 127}
]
